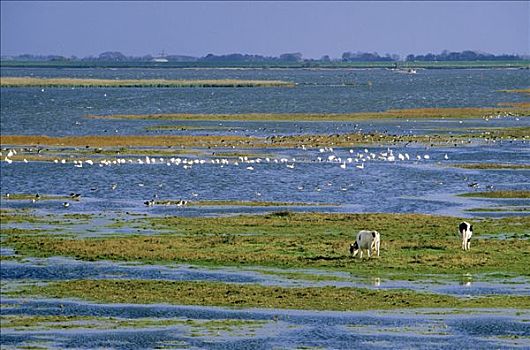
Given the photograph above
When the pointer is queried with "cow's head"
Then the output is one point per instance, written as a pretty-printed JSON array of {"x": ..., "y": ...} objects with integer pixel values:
[{"x": 354, "y": 248}]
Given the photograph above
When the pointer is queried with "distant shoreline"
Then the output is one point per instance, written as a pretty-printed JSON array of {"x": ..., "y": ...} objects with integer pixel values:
[{"x": 521, "y": 64}]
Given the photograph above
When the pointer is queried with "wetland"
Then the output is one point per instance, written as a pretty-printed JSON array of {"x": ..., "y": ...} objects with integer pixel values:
[{"x": 180, "y": 210}]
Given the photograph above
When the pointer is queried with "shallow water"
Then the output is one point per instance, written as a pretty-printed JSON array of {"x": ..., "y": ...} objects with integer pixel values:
[
  {"x": 287, "y": 329},
  {"x": 55, "y": 269},
  {"x": 423, "y": 186},
  {"x": 319, "y": 91},
  {"x": 411, "y": 186}
]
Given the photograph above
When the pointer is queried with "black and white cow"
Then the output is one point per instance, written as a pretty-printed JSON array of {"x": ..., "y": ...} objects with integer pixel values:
[
  {"x": 466, "y": 231},
  {"x": 369, "y": 240}
]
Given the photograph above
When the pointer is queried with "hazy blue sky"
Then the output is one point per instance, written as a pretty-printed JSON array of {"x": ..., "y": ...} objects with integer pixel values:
[{"x": 266, "y": 28}]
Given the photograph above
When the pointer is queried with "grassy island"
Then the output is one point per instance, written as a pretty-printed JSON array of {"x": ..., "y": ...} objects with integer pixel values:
[
  {"x": 245, "y": 295},
  {"x": 416, "y": 113},
  {"x": 135, "y": 83}
]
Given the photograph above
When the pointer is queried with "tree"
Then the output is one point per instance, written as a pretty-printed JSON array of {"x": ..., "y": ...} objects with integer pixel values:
[{"x": 291, "y": 57}]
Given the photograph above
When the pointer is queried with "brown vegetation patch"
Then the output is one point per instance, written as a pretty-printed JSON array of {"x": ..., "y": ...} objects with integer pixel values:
[{"x": 82, "y": 83}]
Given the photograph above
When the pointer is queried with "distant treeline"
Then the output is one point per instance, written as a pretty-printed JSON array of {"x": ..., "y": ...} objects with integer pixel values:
[
  {"x": 462, "y": 56},
  {"x": 114, "y": 56}
]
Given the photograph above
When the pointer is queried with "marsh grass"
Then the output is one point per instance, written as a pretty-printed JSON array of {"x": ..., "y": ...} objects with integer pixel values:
[
  {"x": 50, "y": 322},
  {"x": 30, "y": 196},
  {"x": 515, "y": 104},
  {"x": 125, "y": 141},
  {"x": 188, "y": 127},
  {"x": 136, "y": 83},
  {"x": 519, "y": 91},
  {"x": 498, "y": 194},
  {"x": 203, "y": 203},
  {"x": 412, "y": 244},
  {"x": 8, "y": 216},
  {"x": 250, "y": 295},
  {"x": 503, "y": 133},
  {"x": 492, "y": 166},
  {"x": 417, "y": 113},
  {"x": 210, "y": 141},
  {"x": 499, "y": 209},
  {"x": 167, "y": 144}
]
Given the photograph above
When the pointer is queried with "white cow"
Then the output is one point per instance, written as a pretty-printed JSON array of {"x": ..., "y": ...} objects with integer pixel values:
[
  {"x": 369, "y": 240},
  {"x": 466, "y": 231}
]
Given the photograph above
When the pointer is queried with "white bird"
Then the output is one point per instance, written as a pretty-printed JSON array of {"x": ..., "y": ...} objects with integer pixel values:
[
  {"x": 361, "y": 166},
  {"x": 446, "y": 156},
  {"x": 343, "y": 165}
]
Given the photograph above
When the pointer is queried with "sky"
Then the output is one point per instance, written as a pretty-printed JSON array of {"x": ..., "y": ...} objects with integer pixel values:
[{"x": 314, "y": 28}]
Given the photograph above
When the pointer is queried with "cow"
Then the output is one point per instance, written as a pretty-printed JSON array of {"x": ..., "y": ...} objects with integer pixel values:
[
  {"x": 369, "y": 240},
  {"x": 466, "y": 231}
]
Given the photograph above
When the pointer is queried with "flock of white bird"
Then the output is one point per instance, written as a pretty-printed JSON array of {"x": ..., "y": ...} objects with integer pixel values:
[{"x": 358, "y": 159}]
